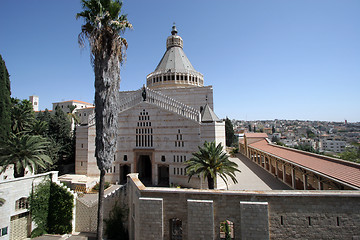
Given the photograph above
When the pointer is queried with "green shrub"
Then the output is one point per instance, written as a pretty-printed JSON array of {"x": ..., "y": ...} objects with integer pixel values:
[
  {"x": 37, "y": 232},
  {"x": 51, "y": 208},
  {"x": 97, "y": 186},
  {"x": 115, "y": 228},
  {"x": 61, "y": 204}
]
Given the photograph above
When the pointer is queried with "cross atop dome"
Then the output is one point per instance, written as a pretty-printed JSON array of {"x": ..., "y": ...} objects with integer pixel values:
[{"x": 174, "y": 31}]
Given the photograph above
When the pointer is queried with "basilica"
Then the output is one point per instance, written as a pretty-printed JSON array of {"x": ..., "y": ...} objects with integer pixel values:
[{"x": 160, "y": 124}]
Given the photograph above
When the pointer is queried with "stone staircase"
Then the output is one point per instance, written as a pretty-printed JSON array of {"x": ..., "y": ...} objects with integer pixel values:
[{"x": 160, "y": 100}]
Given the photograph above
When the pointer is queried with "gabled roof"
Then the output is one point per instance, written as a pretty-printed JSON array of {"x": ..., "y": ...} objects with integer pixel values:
[
  {"x": 256, "y": 135},
  {"x": 344, "y": 171},
  {"x": 208, "y": 115}
]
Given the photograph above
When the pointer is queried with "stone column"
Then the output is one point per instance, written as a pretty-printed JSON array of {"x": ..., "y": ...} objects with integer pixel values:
[
  {"x": 320, "y": 184},
  {"x": 284, "y": 172},
  {"x": 293, "y": 183},
  {"x": 276, "y": 168},
  {"x": 305, "y": 181},
  {"x": 156, "y": 174}
]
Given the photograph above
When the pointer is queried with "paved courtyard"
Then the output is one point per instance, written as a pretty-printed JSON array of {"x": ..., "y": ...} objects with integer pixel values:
[{"x": 252, "y": 177}]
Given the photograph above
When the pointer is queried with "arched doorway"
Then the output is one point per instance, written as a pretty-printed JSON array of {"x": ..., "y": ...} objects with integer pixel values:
[
  {"x": 163, "y": 175},
  {"x": 124, "y": 171},
  {"x": 144, "y": 168}
]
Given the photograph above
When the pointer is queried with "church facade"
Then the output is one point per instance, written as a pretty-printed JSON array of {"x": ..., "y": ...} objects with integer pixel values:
[{"x": 160, "y": 124}]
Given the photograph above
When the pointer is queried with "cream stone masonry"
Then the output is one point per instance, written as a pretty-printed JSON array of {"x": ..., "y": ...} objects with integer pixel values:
[
  {"x": 200, "y": 219},
  {"x": 160, "y": 125},
  {"x": 255, "y": 214},
  {"x": 254, "y": 220},
  {"x": 15, "y": 217}
]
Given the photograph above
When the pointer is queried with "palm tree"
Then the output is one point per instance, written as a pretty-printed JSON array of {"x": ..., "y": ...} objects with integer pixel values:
[
  {"x": 74, "y": 119},
  {"x": 104, "y": 25},
  {"x": 209, "y": 162},
  {"x": 22, "y": 115},
  {"x": 23, "y": 151}
]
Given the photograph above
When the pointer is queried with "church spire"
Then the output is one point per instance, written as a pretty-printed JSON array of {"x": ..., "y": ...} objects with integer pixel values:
[
  {"x": 174, "y": 40},
  {"x": 174, "y": 31}
]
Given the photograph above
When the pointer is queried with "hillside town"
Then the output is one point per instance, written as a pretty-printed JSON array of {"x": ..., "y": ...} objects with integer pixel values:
[{"x": 332, "y": 138}]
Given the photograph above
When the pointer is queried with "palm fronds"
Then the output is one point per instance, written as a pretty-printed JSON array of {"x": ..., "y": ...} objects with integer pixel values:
[{"x": 211, "y": 161}]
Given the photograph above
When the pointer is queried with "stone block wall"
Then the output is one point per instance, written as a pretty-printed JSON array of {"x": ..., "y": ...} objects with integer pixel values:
[
  {"x": 150, "y": 219},
  {"x": 254, "y": 214},
  {"x": 86, "y": 210},
  {"x": 200, "y": 219},
  {"x": 254, "y": 222}
]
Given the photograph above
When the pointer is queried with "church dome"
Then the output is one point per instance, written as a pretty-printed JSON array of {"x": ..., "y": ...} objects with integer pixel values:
[{"x": 174, "y": 69}]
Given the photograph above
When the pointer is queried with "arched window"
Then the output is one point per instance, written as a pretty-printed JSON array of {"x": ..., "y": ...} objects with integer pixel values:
[
  {"x": 175, "y": 229},
  {"x": 21, "y": 203},
  {"x": 226, "y": 229}
]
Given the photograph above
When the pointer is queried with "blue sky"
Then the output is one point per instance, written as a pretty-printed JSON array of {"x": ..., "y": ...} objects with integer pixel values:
[{"x": 265, "y": 59}]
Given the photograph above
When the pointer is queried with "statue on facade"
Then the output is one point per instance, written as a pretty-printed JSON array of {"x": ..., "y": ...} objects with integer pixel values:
[{"x": 144, "y": 93}]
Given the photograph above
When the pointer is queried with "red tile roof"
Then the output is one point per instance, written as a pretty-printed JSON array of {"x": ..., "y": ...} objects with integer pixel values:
[
  {"x": 256, "y": 135},
  {"x": 76, "y": 101},
  {"x": 347, "y": 172}
]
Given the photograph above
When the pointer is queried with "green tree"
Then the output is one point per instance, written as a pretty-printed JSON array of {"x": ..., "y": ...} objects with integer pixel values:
[
  {"x": 51, "y": 207},
  {"x": 74, "y": 119},
  {"x": 59, "y": 130},
  {"x": 310, "y": 134},
  {"x": 307, "y": 148},
  {"x": 57, "y": 135},
  {"x": 209, "y": 162},
  {"x": 273, "y": 129},
  {"x": 229, "y": 133},
  {"x": 103, "y": 28},
  {"x": 351, "y": 153},
  {"x": 24, "y": 151},
  {"x": 115, "y": 228},
  {"x": 44, "y": 116},
  {"x": 5, "y": 101},
  {"x": 22, "y": 116}
]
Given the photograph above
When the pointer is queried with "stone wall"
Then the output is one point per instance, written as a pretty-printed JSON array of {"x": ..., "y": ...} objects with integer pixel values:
[
  {"x": 16, "y": 219},
  {"x": 254, "y": 214},
  {"x": 86, "y": 209}
]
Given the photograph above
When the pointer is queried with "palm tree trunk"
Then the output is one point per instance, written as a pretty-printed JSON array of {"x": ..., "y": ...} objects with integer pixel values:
[
  {"x": 211, "y": 183},
  {"x": 18, "y": 174},
  {"x": 107, "y": 83},
  {"x": 100, "y": 222}
]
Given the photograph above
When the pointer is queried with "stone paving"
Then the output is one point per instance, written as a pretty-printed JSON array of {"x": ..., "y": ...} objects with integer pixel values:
[{"x": 253, "y": 177}]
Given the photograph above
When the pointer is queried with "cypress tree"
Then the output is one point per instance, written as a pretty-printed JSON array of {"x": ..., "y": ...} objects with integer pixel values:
[
  {"x": 5, "y": 100},
  {"x": 229, "y": 132}
]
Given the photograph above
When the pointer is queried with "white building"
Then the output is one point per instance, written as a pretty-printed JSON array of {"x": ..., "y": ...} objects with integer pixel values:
[
  {"x": 333, "y": 145},
  {"x": 161, "y": 125},
  {"x": 35, "y": 102},
  {"x": 65, "y": 105},
  {"x": 15, "y": 219}
]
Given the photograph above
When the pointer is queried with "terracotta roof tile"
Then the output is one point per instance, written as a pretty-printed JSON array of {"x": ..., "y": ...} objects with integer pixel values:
[
  {"x": 256, "y": 135},
  {"x": 76, "y": 101},
  {"x": 342, "y": 170}
]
